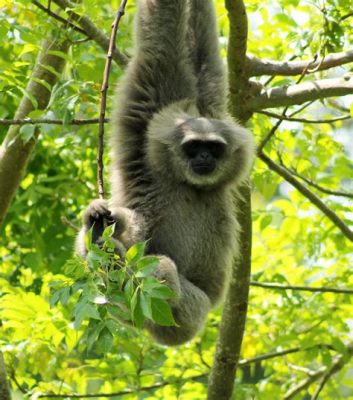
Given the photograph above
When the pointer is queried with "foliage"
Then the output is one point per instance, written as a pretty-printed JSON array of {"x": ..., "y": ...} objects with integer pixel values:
[
  {"x": 105, "y": 290},
  {"x": 58, "y": 327}
]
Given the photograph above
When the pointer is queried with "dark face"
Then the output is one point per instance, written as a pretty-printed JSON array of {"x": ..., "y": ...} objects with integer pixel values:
[{"x": 203, "y": 155}]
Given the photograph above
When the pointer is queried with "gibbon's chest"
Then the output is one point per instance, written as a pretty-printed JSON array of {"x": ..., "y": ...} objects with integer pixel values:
[{"x": 197, "y": 232}]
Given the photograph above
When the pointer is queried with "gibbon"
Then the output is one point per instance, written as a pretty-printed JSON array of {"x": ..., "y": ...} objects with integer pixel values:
[{"x": 177, "y": 159}]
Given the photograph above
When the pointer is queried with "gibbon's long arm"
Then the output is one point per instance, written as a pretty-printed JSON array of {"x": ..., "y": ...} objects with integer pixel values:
[
  {"x": 161, "y": 71},
  {"x": 206, "y": 59}
]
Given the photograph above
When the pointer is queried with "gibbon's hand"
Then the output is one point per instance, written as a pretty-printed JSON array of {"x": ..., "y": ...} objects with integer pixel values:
[{"x": 99, "y": 216}]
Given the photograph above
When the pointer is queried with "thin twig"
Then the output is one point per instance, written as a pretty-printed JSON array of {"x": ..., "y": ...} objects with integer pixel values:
[
  {"x": 50, "y": 121},
  {"x": 104, "y": 91},
  {"x": 93, "y": 31},
  {"x": 304, "y": 120},
  {"x": 67, "y": 222},
  {"x": 319, "y": 187},
  {"x": 269, "y": 136},
  {"x": 48, "y": 11},
  {"x": 347, "y": 16},
  {"x": 339, "y": 362},
  {"x": 301, "y": 108},
  {"x": 270, "y": 285},
  {"x": 308, "y": 194}
]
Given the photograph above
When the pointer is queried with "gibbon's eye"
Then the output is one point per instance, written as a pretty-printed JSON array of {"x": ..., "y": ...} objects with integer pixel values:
[
  {"x": 194, "y": 147},
  {"x": 217, "y": 149}
]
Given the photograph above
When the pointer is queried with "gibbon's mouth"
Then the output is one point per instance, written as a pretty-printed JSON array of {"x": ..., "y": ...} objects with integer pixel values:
[{"x": 203, "y": 168}]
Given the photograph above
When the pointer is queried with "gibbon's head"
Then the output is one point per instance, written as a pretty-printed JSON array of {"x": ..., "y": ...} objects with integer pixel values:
[{"x": 201, "y": 152}]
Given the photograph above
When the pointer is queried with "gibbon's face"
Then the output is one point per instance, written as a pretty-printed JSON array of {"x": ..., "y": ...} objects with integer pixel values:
[
  {"x": 203, "y": 155},
  {"x": 212, "y": 152}
]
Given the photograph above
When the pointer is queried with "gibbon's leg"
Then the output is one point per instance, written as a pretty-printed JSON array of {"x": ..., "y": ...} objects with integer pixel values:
[
  {"x": 190, "y": 307},
  {"x": 206, "y": 59},
  {"x": 129, "y": 226}
]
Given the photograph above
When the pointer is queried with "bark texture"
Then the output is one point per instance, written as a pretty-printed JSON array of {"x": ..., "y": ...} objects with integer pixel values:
[{"x": 14, "y": 151}]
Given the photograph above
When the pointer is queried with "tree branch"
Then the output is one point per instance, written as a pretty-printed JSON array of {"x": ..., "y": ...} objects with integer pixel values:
[
  {"x": 259, "y": 67},
  {"x": 15, "y": 151},
  {"x": 278, "y": 286},
  {"x": 64, "y": 21},
  {"x": 308, "y": 194},
  {"x": 38, "y": 121},
  {"x": 103, "y": 100},
  {"x": 304, "y": 120},
  {"x": 221, "y": 380},
  {"x": 236, "y": 56},
  {"x": 222, "y": 376},
  {"x": 299, "y": 94},
  {"x": 319, "y": 187},
  {"x": 339, "y": 363},
  {"x": 4, "y": 384},
  {"x": 92, "y": 31}
]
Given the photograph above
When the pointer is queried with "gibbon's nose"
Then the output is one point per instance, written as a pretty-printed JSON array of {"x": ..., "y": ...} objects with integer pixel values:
[{"x": 205, "y": 156}]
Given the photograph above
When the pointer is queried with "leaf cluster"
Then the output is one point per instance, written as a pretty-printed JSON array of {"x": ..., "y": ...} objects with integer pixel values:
[{"x": 105, "y": 290}]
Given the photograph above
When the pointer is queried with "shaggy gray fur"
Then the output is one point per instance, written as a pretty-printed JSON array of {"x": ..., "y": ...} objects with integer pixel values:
[{"x": 174, "y": 93}]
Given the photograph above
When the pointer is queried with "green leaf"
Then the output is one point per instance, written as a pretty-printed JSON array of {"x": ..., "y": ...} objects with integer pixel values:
[
  {"x": 129, "y": 290},
  {"x": 150, "y": 283},
  {"x": 75, "y": 268},
  {"x": 93, "y": 330},
  {"x": 265, "y": 221},
  {"x": 135, "y": 253},
  {"x": 162, "y": 292},
  {"x": 105, "y": 341},
  {"x": 118, "y": 313},
  {"x": 118, "y": 276},
  {"x": 108, "y": 232},
  {"x": 146, "y": 266},
  {"x": 27, "y": 132},
  {"x": 161, "y": 312},
  {"x": 137, "y": 313},
  {"x": 29, "y": 96},
  {"x": 146, "y": 305}
]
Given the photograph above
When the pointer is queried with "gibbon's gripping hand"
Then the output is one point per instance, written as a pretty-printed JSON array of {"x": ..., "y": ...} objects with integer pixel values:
[{"x": 99, "y": 216}]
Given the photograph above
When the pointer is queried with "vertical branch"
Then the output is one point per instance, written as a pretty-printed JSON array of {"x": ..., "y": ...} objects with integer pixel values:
[
  {"x": 15, "y": 151},
  {"x": 104, "y": 91},
  {"x": 4, "y": 384},
  {"x": 236, "y": 57},
  {"x": 221, "y": 380}
]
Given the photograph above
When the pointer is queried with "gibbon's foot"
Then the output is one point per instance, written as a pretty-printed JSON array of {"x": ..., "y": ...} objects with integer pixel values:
[{"x": 167, "y": 273}]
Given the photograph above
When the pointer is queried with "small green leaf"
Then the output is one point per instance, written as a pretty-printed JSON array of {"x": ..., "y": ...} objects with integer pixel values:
[
  {"x": 118, "y": 313},
  {"x": 146, "y": 305},
  {"x": 105, "y": 341},
  {"x": 27, "y": 132},
  {"x": 135, "y": 253},
  {"x": 117, "y": 276},
  {"x": 137, "y": 314},
  {"x": 75, "y": 268},
  {"x": 146, "y": 266},
  {"x": 162, "y": 292},
  {"x": 108, "y": 232},
  {"x": 129, "y": 290},
  {"x": 150, "y": 283},
  {"x": 265, "y": 221},
  {"x": 162, "y": 313}
]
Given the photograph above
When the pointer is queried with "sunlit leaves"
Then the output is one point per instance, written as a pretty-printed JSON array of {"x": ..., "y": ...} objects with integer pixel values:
[{"x": 105, "y": 286}]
